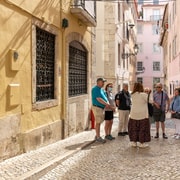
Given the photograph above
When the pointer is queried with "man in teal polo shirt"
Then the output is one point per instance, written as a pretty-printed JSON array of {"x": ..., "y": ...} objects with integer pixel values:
[{"x": 99, "y": 102}]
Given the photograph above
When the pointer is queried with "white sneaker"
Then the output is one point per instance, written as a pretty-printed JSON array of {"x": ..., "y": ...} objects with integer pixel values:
[
  {"x": 133, "y": 144},
  {"x": 177, "y": 136},
  {"x": 143, "y": 145},
  {"x": 174, "y": 136}
]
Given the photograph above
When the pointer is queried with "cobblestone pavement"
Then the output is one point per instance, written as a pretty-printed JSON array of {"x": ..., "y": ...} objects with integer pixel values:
[{"x": 115, "y": 160}]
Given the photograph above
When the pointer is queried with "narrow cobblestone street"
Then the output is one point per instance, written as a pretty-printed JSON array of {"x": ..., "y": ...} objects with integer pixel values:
[
  {"x": 79, "y": 157},
  {"x": 117, "y": 160}
]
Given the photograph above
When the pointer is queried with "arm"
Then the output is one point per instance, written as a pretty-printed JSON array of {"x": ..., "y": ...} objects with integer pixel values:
[
  {"x": 117, "y": 102},
  {"x": 168, "y": 104},
  {"x": 103, "y": 102}
]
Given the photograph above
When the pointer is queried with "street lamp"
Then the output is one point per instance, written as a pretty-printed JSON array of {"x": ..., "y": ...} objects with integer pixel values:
[{"x": 126, "y": 55}]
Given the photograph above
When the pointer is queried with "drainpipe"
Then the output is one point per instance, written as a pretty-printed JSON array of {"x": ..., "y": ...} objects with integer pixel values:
[{"x": 62, "y": 99}]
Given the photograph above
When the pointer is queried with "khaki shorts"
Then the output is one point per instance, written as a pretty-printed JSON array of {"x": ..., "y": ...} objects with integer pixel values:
[{"x": 98, "y": 114}]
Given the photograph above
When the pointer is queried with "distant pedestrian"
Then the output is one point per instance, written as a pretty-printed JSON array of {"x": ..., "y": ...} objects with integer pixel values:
[
  {"x": 123, "y": 102},
  {"x": 150, "y": 105},
  {"x": 109, "y": 112},
  {"x": 161, "y": 107},
  {"x": 139, "y": 126},
  {"x": 99, "y": 102},
  {"x": 175, "y": 112}
]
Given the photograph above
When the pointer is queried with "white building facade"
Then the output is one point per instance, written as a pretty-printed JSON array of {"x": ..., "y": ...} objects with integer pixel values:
[{"x": 114, "y": 37}]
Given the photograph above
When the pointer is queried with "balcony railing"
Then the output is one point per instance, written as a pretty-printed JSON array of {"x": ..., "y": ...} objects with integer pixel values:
[
  {"x": 85, "y": 11},
  {"x": 156, "y": 17}
]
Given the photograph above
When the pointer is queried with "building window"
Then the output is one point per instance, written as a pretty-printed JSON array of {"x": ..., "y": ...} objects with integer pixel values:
[
  {"x": 156, "y": 15},
  {"x": 119, "y": 54},
  {"x": 45, "y": 58},
  {"x": 139, "y": 29},
  {"x": 77, "y": 69},
  {"x": 155, "y": 81},
  {"x": 140, "y": 80},
  {"x": 174, "y": 46},
  {"x": 174, "y": 10},
  {"x": 155, "y": 1},
  {"x": 140, "y": 1},
  {"x": 156, "y": 48},
  {"x": 119, "y": 10},
  {"x": 139, "y": 66},
  {"x": 169, "y": 21},
  {"x": 140, "y": 46},
  {"x": 170, "y": 53},
  {"x": 156, "y": 66}
]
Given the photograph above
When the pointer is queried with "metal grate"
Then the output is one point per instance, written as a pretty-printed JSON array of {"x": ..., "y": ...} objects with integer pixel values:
[
  {"x": 45, "y": 55},
  {"x": 77, "y": 71}
]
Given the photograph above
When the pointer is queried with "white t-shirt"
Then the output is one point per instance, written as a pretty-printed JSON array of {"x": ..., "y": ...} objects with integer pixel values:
[{"x": 139, "y": 107}]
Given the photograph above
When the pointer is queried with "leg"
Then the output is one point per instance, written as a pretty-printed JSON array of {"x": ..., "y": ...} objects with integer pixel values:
[
  {"x": 163, "y": 127},
  {"x": 157, "y": 126},
  {"x": 126, "y": 120},
  {"x": 121, "y": 122},
  {"x": 163, "y": 130},
  {"x": 178, "y": 128},
  {"x": 157, "y": 129},
  {"x": 97, "y": 130},
  {"x": 163, "y": 116},
  {"x": 110, "y": 126},
  {"x": 106, "y": 127}
]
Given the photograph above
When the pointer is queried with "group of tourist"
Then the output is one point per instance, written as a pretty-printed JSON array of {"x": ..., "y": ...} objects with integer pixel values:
[{"x": 136, "y": 111}]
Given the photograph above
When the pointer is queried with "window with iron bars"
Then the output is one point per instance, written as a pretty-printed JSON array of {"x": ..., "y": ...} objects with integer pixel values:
[
  {"x": 77, "y": 69},
  {"x": 140, "y": 80},
  {"x": 45, "y": 57}
]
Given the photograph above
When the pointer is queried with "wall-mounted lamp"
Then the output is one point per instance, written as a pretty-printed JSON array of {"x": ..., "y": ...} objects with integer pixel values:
[
  {"x": 126, "y": 55},
  {"x": 15, "y": 55},
  {"x": 65, "y": 23}
]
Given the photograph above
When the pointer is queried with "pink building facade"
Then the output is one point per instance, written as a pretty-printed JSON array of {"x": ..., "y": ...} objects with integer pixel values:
[
  {"x": 169, "y": 40},
  {"x": 149, "y": 67}
]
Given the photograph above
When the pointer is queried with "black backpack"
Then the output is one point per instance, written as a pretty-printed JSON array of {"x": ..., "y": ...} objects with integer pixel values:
[{"x": 116, "y": 97}]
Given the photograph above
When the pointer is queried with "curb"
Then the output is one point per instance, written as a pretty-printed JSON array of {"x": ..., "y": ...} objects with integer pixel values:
[{"x": 45, "y": 168}]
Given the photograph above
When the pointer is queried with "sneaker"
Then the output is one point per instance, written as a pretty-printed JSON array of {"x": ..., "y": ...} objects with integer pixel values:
[
  {"x": 112, "y": 137},
  {"x": 133, "y": 144},
  {"x": 126, "y": 133},
  {"x": 100, "y": 139},
  {"x": 143, "y": 145},
  {"x": 177, "y": 136},
  {"x": 157, "y": 135},
  {"x": 164, "y": 136},
  {"x": 121, "y": 134},
  {"x": 108, "y": 137},
  {"x": 174, "y": 136}
]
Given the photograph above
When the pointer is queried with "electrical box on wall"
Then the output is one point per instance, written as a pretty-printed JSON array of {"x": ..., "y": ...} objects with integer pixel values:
[
  {"x": 14, "y": 60},
  {"x": 14, "y": 94}
]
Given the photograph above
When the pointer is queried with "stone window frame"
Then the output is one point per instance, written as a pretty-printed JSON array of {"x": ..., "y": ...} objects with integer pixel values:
[
  {"x": 74, "y": 36},
  {"x": 52, "y": 102},
  {"x": 79, "y": 47}
]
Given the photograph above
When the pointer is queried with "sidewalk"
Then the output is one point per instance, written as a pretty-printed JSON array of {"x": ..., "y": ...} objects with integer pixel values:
[{"x": 36, "y": 163}]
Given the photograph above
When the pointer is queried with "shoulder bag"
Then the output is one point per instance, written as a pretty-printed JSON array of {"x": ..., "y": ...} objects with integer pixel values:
[{"x": 158, "y": 111}]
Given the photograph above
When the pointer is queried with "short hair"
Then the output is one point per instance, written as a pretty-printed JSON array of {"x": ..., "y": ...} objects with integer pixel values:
[{"x": 101, "y": 79}]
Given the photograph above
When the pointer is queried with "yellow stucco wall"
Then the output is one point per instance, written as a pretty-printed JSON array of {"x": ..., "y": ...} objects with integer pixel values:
[{"x": 16, "y": 33}]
